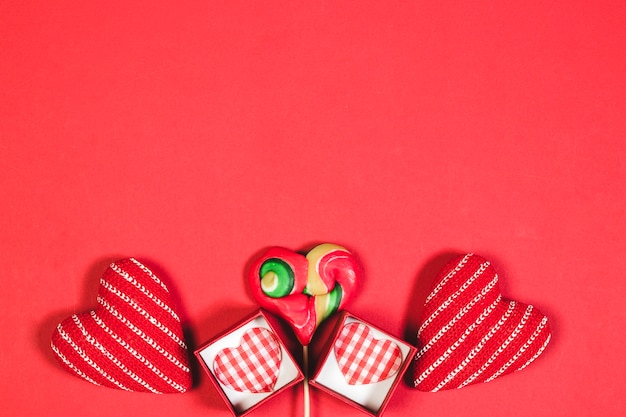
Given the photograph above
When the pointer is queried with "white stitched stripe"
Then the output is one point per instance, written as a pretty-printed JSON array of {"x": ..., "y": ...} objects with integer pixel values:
[
  {"x": 521, "y": 350},
  {"x": 447, "y": 278},
  {"x": 136, "y": 354},
  {"x": 72, "y": 366},
  {"x": 92, "y": 340},
  {"x": 451, "y": 298},
  {"x": 501, "y": 349},
  {"x": 536, "y": 355},
  {"x": 147, "y": 271},
  {"x": 143, "y": 312},
  {"x": 477, "y": 348},
  {"x": 458, "y": 317},
  {"x": 141, "y": 334},
  {"x": 87, "y": 359},
  {"x": 144, "y": 290},
  {"x": 456, "y": 344}
]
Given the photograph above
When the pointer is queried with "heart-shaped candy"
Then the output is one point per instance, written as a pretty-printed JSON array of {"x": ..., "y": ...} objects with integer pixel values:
[
  {"x": 253, "y": 366},
  {"x": 132, "y": 341},
  {"x": 363, "y": 359},
  {"x": 469, "y": 334},
  {"x": 304, "y": 290}
]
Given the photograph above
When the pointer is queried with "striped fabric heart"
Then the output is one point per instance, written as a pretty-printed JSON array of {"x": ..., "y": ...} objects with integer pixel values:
[
  {"x": 253, "y": 366},
  {"x": 132, "y": 341},
  {"x": 469, "y": 334},
  {"x": 363, "y": 359}
]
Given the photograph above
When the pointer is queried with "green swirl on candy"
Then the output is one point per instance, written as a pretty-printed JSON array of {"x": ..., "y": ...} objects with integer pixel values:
[
  {"x": 333, "y": 299},
  {"x": 277, "y": 278}
]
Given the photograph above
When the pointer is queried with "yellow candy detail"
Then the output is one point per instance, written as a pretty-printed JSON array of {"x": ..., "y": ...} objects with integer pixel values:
[{"x": 315, "y": 285}]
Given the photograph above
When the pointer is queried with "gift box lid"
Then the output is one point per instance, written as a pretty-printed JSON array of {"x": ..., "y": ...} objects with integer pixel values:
[
  {"x": 249, "y": 363},
  {"x": 359, "y": 363}
]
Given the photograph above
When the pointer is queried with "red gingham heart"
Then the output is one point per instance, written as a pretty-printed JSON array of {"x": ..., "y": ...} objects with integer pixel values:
[
  {"x": 363, "y": 359},
  {"x": 469, "y": 334},
  {"x": 253, "y": 366},
  {"x": 132, "y": 341}
]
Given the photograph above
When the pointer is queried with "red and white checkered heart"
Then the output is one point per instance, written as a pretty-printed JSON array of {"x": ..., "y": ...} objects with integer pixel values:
[
  {"x": 253, "y": 366},
  {"x": 363, "y": 359},
  {"x": 132, "y": 341},
  {"x": 469, "y": 334}
]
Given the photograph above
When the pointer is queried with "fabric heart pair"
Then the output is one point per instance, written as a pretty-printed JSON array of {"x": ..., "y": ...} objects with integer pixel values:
[
  {"x": 134, "y": 341},
  {"x": 254, "y": 365}
]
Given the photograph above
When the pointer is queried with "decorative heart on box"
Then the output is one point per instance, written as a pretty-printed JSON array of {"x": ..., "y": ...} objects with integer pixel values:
[
  {"x": 132, "y": 341},
  {"x": 304, "y": 290},
  {"x": 469, "y": 334},
  {"x": 364, "y": 360},
  {"x": 253, "y": 366}
]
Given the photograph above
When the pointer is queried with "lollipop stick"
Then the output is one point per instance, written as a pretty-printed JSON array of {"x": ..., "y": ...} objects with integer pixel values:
[{"x": 307, "y": 400}]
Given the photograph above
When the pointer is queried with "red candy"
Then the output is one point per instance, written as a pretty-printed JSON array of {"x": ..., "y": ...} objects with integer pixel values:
[{"x": 304, "y": 290}]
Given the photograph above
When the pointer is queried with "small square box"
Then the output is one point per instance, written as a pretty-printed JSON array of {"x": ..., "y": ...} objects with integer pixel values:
[
  {"x": 359, "y": 363},
  {"x": 232, "y": 345}
]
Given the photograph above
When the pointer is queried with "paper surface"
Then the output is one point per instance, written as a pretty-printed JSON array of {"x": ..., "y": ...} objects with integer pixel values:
[{"x": 193, "y": 136}]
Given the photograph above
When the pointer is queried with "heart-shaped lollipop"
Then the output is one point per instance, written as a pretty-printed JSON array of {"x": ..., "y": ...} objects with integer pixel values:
[{"x": 304, "y": 289}]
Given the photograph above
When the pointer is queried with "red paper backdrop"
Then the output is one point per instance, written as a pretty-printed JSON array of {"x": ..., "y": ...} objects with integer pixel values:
[{"x": 191, "y": 135}]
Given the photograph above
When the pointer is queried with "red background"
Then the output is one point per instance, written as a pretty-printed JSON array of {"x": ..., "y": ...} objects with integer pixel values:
[{"x": 193, "y": 135}]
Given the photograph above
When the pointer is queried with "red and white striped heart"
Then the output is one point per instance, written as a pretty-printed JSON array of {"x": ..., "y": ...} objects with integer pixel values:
[
  {"x": 469, "y": 334},
  {"x": 253, "y": 366},
  {"x": 363, "y": 359},
  {"x": 132, "y": 341}
]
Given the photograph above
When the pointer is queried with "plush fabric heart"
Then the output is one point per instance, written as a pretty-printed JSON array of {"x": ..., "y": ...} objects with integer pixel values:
[
  {"x": 304, "y": 290},
  {"x": 363, "y": 359},
  {"x": 469, "y": 334},
  {"x": 132, "y": 341},
  {"x": 253, "y": 366}
]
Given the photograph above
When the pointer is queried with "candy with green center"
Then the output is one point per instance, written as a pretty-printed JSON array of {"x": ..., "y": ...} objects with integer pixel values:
[
  {"x": 277, "y": 278},
  {"x": 304, "y": 289}
]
